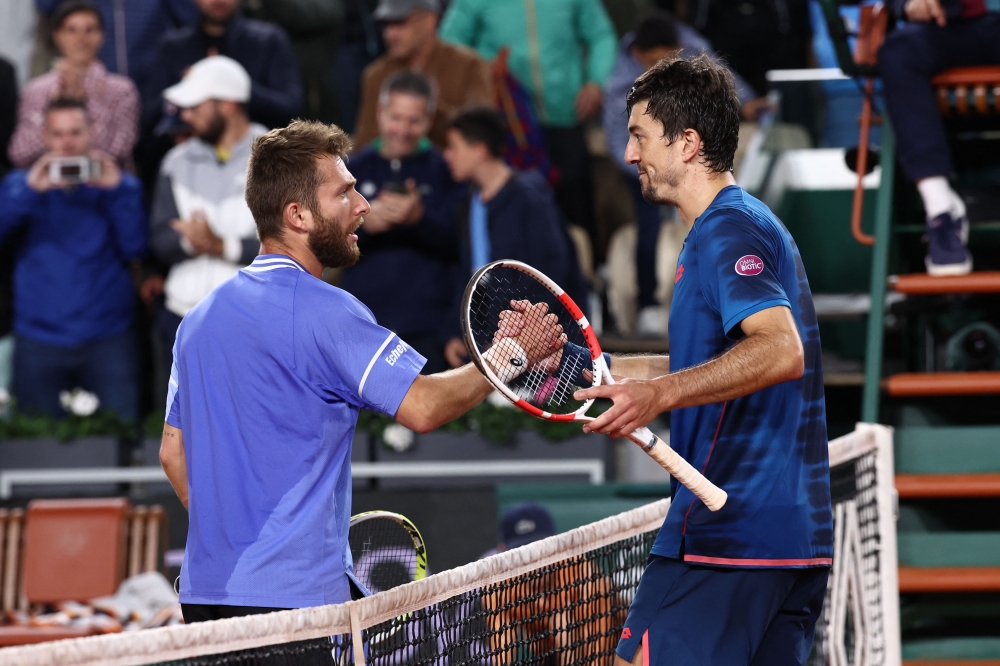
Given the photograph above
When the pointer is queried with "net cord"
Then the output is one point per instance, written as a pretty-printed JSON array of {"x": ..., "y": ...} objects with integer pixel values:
[{"x": 243, "y": 633}]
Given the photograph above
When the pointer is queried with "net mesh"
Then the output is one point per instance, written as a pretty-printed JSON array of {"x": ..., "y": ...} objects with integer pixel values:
[
  {"x": 494, "y": 318},
  {"x": 561, "y": 601},
  {"x": 851, "y": 628}
]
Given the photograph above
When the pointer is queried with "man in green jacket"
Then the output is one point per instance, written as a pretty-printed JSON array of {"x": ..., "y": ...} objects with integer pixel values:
[{"x": 561, "y": 51}]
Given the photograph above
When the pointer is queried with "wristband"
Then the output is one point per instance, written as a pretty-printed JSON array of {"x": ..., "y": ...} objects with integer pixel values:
[
  {"x": 507, "y": 358},
  {"x": 579, "y": 359}
]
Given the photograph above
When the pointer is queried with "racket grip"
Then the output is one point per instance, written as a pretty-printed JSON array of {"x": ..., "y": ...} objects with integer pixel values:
[{"x": 709, "y": 493}]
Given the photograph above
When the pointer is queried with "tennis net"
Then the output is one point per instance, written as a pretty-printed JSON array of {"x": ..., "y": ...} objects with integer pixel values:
[{"x": 561, "y": 601}]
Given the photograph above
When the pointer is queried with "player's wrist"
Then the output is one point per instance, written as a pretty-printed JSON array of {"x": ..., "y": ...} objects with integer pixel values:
[
  {"x": 507, "y": 359},
  {"x": 666, "y": 393}
]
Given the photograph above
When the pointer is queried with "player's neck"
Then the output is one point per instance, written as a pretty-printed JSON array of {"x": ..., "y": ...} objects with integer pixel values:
[
  {"x": 302, "y": 255},
  {"x": 698, "y": 194},
  {"x": 490, "y": 177}
]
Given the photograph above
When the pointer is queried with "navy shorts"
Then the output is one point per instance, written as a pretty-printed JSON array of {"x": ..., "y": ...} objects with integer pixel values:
[{"x": 693, "y": 615}]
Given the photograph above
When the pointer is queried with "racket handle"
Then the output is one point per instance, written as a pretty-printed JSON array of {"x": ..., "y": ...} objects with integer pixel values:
[{"x": 709, "y": 493}]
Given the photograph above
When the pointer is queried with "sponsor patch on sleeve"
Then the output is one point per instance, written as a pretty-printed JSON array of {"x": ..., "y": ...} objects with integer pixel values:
[{"x": 749, "y": 264}]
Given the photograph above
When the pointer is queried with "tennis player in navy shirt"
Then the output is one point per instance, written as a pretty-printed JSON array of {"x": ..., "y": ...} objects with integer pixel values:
[
  {"x": 745, "y": 585},
  {"x": 269, "y": 374}
]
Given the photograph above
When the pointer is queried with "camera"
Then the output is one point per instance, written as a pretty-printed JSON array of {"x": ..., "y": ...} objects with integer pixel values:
[{"x": 74, "y": 170}]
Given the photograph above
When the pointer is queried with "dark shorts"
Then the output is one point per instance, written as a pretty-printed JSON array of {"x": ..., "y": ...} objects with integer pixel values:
[{"x": 692, "y": 615}]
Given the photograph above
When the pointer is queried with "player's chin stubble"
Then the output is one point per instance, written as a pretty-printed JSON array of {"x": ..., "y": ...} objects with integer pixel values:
[
  {"x": 330, "y": 244},
  {"x": 650, "y": 187}
]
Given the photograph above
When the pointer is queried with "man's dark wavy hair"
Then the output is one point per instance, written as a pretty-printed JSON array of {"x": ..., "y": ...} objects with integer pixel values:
[{"x": 693, "y": 93}]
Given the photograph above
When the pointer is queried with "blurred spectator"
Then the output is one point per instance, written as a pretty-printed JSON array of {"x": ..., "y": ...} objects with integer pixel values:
[
  {"x": 409, "y": 240},
  {"x": 313, "y": 26},
  {"x": 261, "y": 48},
  {"x": 563, "y": 51},
  {"x": 8, "y": 113},
  {"x": 521, "y": 524},
  {"x": 73, "y": 295},
  {"x": 657, "y": 36},
  {"x": 17, "y": 35},
  {"x": 201, "y": 227},
  {"x": 409, "y": 28},
  {"x": 937, "y": 36},
  {"x": 511, "y": 215},
  {"x": 755, "y": 36},
  {"x": 132, "y": 27},
  {"x": 360, "y": 44},
  {"x": 112, "y": 100}
]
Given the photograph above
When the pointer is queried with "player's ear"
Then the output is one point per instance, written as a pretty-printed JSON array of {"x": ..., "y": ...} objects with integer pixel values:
[
  {"x": 691, "y": 145},
  {"x": 298, "y": 218}
]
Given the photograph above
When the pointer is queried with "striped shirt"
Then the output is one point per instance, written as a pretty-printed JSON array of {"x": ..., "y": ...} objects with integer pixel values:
[{"x": 112, "y": 104}]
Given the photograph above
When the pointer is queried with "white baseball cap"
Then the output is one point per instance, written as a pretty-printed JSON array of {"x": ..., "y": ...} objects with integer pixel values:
[{"x": 215, "y": 77}]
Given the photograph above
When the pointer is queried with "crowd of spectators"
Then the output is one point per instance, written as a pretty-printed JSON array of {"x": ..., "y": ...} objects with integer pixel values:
[{"x": 127, "y": 152}]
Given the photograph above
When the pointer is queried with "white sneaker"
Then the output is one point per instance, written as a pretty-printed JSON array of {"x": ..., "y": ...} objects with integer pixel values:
[{"x": 652, "y": 321}]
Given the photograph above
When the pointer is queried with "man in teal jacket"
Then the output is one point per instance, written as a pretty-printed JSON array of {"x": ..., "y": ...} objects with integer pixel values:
[{"x": 560, "y": 50}]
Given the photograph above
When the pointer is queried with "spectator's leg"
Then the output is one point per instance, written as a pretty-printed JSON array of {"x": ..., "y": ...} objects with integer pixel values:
[
  {"x": 111, "y": 370},
  {"x": 41, "y": 371},
  {"x": 908, "y": 60},
  {"x": 648, "y": 217},
  {"x": 567, "y": 148}
]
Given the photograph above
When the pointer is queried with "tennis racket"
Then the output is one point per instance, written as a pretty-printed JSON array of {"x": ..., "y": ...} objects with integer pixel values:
[
  {"x": 496, "y": 320},
  {"x": 388, "y": 550}
]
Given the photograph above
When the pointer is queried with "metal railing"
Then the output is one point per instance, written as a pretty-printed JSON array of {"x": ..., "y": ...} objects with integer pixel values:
[{"x": 592, "y": 468}]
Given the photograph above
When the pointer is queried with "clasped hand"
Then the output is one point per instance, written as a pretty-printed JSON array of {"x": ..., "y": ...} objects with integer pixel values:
[
  {"x": 198, "y": 232},
  {"x": 537, "y": 332}
]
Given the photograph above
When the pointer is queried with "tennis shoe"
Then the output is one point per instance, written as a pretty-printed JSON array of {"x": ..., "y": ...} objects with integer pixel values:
[{"x": 946, "y": 251}]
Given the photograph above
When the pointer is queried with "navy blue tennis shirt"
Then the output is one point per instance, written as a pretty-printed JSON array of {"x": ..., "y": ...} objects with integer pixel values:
[
  {"x": 270, "y": 372},
  {"x": 767, "y": 450}
]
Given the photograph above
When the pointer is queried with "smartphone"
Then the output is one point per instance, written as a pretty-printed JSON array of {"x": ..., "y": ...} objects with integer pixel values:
[
  {"x": 395, "y": 187},
  {"x": 74, "y": 170}
]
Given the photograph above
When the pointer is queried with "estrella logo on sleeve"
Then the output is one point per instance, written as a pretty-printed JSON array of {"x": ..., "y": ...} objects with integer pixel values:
[
  {"x": 626, "y": 634},
  {"x": 679, "y": 274},
  {"x": 749, "y": 264}
]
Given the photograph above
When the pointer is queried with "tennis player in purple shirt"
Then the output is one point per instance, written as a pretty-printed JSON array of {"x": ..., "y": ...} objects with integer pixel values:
[
  {"x": 269, "y": 374},
  {"x": 742, "y": 586}
]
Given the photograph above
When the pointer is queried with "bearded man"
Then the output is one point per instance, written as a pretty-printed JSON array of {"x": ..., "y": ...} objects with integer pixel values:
[
  {"x": 202, "y": 230},
  {"x": 269, "y": 374}
]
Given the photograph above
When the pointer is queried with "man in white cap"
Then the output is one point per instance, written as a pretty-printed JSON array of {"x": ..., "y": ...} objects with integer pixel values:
[{"x": 202, "y": 230}]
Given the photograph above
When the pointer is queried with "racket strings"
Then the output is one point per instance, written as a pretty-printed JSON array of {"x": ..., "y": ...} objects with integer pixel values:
[
  {"x": 384, "y": 553},
  {"x": 547, "y": 383}
]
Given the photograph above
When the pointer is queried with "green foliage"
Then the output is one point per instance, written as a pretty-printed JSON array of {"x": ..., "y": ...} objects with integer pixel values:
[
  {"x": 17, "y": 425},
  {"x": 495, "y": 424}
]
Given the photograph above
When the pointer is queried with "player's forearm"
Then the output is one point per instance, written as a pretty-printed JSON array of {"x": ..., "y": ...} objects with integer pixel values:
[
  {"x": 174, "y": 461},
  {"x": 640, "y": 367},
  {"x": 434, "y": 400},
  {"x": 758, "y": 361}
]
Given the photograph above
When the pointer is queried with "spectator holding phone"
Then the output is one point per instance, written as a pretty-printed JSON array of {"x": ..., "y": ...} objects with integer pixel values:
[
  {"x": 409, "y": 240},
  {"x": 111, "y": 100},
  {"x": 83, "y": 223}
]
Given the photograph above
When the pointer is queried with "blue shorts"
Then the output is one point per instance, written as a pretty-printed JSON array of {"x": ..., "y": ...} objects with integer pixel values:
[{"x": 693, "y": 615}]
